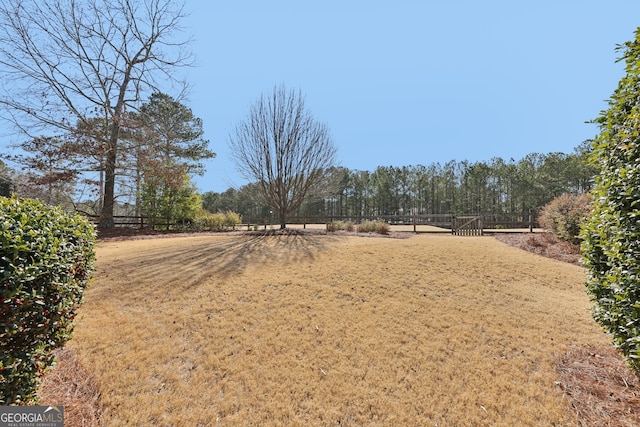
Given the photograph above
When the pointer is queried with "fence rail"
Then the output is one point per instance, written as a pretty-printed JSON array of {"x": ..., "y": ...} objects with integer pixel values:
[
  {"x": 136, "y": 222},
  {"x": 451, "y": 222},
  {"x": 444, "y": 221}
]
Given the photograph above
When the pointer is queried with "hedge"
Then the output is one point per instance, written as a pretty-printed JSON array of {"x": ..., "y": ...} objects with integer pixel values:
[
  {"x": 46, "y": 260},
  {"x": 611, "y": 236}
]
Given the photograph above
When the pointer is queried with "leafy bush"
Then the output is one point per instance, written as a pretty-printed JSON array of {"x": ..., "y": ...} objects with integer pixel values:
[
  {"x": 206, "y": 221},
  {"x": 611, "y": 236},
  {"x": 46, "y": 260},
  {"x": 232, "y": 219},
  {"x": 564, "y": 215},
  {"x": 216, "y": 222}
]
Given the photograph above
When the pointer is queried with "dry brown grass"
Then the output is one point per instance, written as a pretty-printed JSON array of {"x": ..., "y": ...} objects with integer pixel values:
[{"x": 320, "y": 330}]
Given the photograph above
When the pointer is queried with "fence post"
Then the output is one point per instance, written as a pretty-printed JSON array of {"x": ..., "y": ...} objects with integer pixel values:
[{"x": 530, "y": 221}]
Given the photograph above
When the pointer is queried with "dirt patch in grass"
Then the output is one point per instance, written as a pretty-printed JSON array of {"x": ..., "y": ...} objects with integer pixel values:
[{"x": 300, "y": 329}]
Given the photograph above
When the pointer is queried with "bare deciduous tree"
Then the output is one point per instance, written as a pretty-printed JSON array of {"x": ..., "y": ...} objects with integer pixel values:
[
  {"x": 64, "y": 63},
  {"x": 283, "y": 149}
]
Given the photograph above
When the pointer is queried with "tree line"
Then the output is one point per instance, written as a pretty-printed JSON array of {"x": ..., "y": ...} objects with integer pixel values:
[{"x": 496, "y": 187}]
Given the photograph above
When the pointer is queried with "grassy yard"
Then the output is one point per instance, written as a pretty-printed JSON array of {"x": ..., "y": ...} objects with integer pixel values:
[{"x": 305, "y": 330}]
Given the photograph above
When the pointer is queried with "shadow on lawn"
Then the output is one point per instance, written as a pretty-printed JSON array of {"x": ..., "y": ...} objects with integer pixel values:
[
  {"x": 264, "y": 248},
  {"x": 202, "y": 260}
]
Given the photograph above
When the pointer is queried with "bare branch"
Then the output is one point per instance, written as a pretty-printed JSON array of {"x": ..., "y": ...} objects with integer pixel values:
[
  {"x": 283, "y": 149},
  {"x": 65, "y": 62}
]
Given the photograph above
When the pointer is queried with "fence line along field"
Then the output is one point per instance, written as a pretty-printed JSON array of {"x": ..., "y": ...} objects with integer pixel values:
[{"x": 304, "y": 330}]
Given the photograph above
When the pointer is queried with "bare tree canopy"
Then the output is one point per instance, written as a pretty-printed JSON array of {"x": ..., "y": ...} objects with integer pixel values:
[
  {"x": 64, "y": 63},
  {"x": 283, "y": 149}
]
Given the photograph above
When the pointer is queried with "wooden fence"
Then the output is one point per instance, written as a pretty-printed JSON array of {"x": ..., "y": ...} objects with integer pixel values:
[
  {"x": 139, "y": 222},
  {"x": 478, "y": 225},
  {"x": 464, "y": 225}
]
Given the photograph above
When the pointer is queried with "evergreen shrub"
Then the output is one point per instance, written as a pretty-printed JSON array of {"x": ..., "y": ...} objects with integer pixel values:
[
  {"x": 46, "y": 260},
  {"x": 611, "y": 236}
]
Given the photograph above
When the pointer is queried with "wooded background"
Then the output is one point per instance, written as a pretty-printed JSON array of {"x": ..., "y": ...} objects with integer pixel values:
[{"x": 500, "y": 188}]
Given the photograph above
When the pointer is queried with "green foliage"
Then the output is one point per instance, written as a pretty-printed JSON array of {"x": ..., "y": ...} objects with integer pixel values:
[
  {"x": 611, "y": 236},
  {"x": 564, "y": 215},
  {"x": 206, "y": 221},
  {"x": 498, "y": 187},
  {"x": 165, "y": 204},
  {"x": 46, "y": 260},
  {"x": 173, "y": 137},
  {"x": 232, "y": 219}
]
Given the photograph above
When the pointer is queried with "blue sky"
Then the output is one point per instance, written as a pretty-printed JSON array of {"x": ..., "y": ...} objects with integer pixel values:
[{"x": 411, "y": 82}]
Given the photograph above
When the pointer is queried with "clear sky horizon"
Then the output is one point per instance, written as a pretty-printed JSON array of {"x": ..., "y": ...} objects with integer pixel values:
[{"x": 411, "y": 82}]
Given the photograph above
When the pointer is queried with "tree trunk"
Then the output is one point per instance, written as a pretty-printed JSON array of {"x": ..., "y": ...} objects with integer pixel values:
[
  {"x": 106, "y": 220},
  {"x": 283, "y": 219}
]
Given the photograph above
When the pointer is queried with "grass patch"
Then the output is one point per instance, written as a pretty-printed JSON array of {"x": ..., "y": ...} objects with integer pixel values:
[{"x": 321, "y": 330}]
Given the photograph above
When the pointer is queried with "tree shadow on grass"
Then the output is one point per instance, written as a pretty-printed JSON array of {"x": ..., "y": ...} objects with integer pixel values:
[
  {"x": 189, "y": 266},
  {"x": 267, "y": 248}
]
